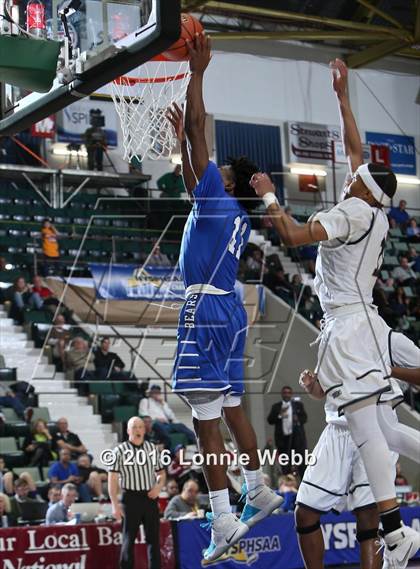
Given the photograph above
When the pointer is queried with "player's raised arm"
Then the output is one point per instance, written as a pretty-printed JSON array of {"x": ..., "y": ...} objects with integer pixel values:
[
  {"x": 195, "y": 114},
  {"x": 291, "y": 234},
  {"x": 176, "y": 118},
  {"x": 349, "y": 131}
]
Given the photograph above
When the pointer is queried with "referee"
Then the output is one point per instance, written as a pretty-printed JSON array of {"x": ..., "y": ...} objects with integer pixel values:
[{"x": 138, "y": 470}]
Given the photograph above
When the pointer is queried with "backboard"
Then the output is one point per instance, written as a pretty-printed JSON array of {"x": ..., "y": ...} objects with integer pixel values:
[{"x": 108, "y": 38}]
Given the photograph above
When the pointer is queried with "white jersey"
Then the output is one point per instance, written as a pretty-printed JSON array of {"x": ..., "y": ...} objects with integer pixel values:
[
  {"x": 401, "y": 352},
  {"x": 347, "y": 264}
]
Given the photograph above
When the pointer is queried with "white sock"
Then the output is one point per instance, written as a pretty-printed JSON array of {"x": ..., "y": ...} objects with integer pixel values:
[
  {"x": 219, "y": 502},
  {"x": 253, "y": 478}
]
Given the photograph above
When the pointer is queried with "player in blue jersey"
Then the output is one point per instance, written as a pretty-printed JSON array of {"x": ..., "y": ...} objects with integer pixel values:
[{"x": 208, "y": 368}]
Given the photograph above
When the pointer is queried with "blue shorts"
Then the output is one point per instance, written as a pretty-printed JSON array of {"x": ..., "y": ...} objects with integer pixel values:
[{"x": 211, "y": 343}]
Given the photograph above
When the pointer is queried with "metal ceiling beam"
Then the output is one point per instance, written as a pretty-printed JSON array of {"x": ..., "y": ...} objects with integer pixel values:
[
  {"x": 381, "y": 14},
  {"x": 236, "y": 9},
  {"x": 308, "y": 35},
  {"x": 191, "y": 5},
  {"x": 374, "y": 53}
]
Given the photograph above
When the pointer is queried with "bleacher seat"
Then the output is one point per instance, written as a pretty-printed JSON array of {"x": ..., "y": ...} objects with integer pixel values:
[
  {"x": 8, "y": 374},
  {"x": 123, "y": 413},
  {"x": 18, "y": 429},
  {"x": 10, "y": 415},
  {"x": 107, "y": 403},
  {"x": 41, "y": 413},
  {"x": 101, "y": 387},
  {"x": 396, "y": 232}
]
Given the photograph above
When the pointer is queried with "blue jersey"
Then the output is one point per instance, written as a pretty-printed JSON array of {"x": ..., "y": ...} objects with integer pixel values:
[{"x": 215, "y": 235}]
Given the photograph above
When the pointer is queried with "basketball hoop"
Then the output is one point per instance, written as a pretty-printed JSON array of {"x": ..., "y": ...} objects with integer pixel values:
[{"x": 141, "y": 102}]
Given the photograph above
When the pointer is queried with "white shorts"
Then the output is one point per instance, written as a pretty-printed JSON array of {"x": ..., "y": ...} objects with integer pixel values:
[
  {"x": 338, "y": 479},
  {"x": 207, "y": 405},
  {"x": 353, "y": 362}
]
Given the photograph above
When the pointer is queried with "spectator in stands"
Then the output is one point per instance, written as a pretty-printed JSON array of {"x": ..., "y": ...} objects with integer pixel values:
[
  {"x": 65, "y": 439},
  {"x": 152, "y": 436},
  {"x": 64, "y": 471},
  {"x": 50, "y": 248},
  {"x": 296, "y": 286},
  {"x": 43, "y": 292},
  {"x": 255, "y": 265},
  {"x": 288, "y": 488},
  {"x": 179, "y": 467},
  {"x": 23, "y": 299},
  {"x": 185, "y": 505},
  {"x": 404, "y": 274},
  {"x": 413, "y": 231},
  {"x": 8, "y": 399},
  {"x": 157, "y": 258},
  {"x": 9, "y": 478},
  {"x": 172, "y": 488},
  {"x": 309, "y": 305},
  {"x": 79, "y": 362},
  {"x": 96, "y": 141},
  {"x": 400, "y": 479},
  {"x": 38, "y": 445},
  {"x": 172, "y": 183},
  {"x": 21, "y": 495},
  {"x": 59, "y": 339},
  {"x": 92, "y": 475},
  {"x": 273, "y": 263},
  {"x": 7, "y": 520},
  {"x": 289, "y": 417},
  {"x": 108, "y": 365},
  {"x": 54, "y": 494},
  {"x": 399, "y": 214},
  {"x": 59, "y": 513},
  {"x": 279, "y": 284},
  {"x": 164, "y": 419},
  {"x": 392, "y": 223},
  {"x": 399, "y": 302},
  {"x": 414, "y": 259}
]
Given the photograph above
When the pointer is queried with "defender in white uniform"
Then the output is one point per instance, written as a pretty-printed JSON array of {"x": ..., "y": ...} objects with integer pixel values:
[
  {"x": 352, "y": 369},
  {"x": 338, "y": 479}
]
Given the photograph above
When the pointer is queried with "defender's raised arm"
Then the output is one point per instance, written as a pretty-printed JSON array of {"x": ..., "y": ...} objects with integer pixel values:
[{"x": 349, "y": 131}]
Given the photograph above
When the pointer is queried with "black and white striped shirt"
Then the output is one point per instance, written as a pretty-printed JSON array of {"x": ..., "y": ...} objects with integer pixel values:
[{"x": 137, "y": 465}]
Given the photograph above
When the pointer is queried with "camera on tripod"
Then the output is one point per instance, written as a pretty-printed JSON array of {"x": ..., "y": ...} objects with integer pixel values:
[{"x": 96, "y": 118}]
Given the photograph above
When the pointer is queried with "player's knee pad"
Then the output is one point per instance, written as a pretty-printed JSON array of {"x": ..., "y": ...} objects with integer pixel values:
[
  {"x": 367, "y": 534},
  {"x": 308, "y": 529}
]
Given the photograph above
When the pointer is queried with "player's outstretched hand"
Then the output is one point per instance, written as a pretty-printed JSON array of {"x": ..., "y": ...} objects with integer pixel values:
[
  {"x": 175, "y": 116},
  {"x": 200, "y": 52},
  {"x": 262, "y": 184},
  {"x": 340, "y": 75}
]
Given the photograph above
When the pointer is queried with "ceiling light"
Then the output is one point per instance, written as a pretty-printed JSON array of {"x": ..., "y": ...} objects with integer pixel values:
[{"x": 307, "y": 171}]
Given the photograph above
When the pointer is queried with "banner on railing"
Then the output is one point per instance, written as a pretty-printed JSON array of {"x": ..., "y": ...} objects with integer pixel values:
[
  {"x": 130, "y": 282},
  {"x": 90, "y": 546},
  {"x": 273, "y": 543}
]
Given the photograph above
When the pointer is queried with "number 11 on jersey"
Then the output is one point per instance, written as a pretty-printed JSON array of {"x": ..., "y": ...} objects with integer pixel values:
[{"x": 234, "y": 247}]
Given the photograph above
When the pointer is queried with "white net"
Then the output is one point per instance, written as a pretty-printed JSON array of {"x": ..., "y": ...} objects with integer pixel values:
[{"x": 141, "y": 103}]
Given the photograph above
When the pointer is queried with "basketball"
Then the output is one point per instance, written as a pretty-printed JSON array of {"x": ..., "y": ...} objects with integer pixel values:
[{"x": 189, "y": 27}]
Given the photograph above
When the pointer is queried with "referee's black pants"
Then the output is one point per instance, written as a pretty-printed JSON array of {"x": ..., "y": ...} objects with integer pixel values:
[{"x": 140, "y": 509}]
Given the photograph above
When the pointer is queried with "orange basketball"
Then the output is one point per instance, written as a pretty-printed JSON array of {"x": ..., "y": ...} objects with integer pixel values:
[{"x": 189, "y": 27}]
